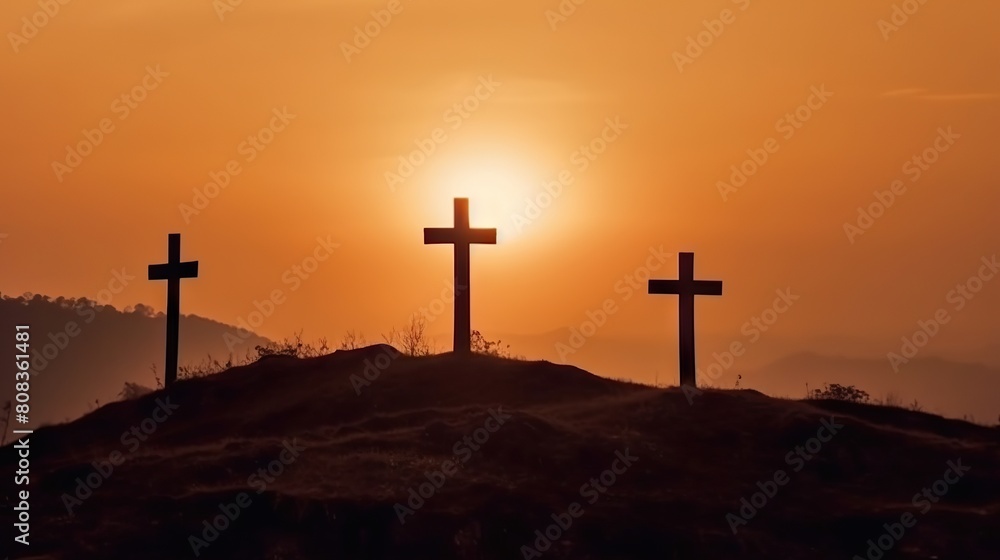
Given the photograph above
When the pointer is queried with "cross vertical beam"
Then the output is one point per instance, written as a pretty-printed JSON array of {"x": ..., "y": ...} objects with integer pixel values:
[
  {"x": 462, "y": 237},
  {"x": 686, "y": 287},
  {"x": 463, "y": 281},
  {"x": 172, "y": 271}
]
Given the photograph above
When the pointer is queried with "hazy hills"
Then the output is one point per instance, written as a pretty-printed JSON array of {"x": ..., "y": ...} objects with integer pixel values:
[
  {"x": 939, "y": 386},
  {"x": 83, "y": 351},
  {"x": 368, "y": 454},
  {"x": 779, "y": 366}
]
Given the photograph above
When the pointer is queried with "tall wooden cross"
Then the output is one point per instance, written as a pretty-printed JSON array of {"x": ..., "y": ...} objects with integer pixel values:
[
  {"x": 686, "y": 287},
  {"x": 462, "y": 236},
  {"x": 172, "y": 271}
]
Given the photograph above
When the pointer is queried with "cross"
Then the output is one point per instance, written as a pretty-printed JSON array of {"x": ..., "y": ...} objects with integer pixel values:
[
  {"x": 462, "y": 236},
  {"x": 686, "y": 287},
  {"x": 172, "y": 271}
]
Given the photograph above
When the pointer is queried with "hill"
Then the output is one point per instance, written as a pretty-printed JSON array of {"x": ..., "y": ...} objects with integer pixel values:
[{"x": 369, "y": 454}]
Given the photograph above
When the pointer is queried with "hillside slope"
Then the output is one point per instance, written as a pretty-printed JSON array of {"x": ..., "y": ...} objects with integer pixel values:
[{"x": 500, "y": 449}]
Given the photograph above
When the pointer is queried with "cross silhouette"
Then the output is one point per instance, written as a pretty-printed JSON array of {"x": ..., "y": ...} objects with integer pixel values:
[
  {"x": 462, "y": 236},
  {"x": 686, "y": 287},
  {"x": 172, "y": 271}
]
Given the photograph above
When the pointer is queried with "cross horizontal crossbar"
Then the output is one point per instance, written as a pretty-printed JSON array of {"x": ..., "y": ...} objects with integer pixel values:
[
  {"x": 678, "y": 287},
  {"x": 437, "y": 236},
  {"x": 169, "y": 271}
]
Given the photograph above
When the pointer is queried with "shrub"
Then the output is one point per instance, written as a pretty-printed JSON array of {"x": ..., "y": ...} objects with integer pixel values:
[
  {"x": 412, "y": 340},
  {"x": 294, "y": 347},
  {"x": 133, "y": 391},
  {"x": 495, "y": 348},
  {"x": 352, "y": 340},
  {"x": 834, "y": 391}
]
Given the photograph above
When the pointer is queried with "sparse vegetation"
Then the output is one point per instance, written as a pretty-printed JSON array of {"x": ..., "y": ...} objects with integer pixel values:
[
  {"x": 496, "y": 348},
  {"x": 352, "y": 340},
  {"x": 891, "y": 399},
  {"x": 294, "y": 347},
  {"x": 834, "y": 391},
  {"x": 412, "y": 340},
  {"x": 850, "y": 393},
  {"x": 133, "y": 391}
]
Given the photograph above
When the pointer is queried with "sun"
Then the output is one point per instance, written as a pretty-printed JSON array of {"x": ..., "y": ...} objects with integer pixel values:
[{"x": 497, "y": 190}]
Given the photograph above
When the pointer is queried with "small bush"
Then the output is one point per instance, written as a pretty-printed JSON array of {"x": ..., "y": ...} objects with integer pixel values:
[
  {"x": 833, "y": 391},
  {"x": 352, "y": 340},
  {"x": 412, "y": 340},
  {"x": 133, "y": 391},
  {"x": 495, "y": 348},
  {"x": 294, "y": 347}
]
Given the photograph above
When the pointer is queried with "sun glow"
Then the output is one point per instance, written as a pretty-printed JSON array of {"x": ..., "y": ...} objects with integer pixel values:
[{"x": 496, "y": 190}]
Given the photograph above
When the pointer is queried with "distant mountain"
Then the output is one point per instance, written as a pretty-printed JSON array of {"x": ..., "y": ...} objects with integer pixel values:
[
  {"x": 948, "y": 387},
  {"x": 369, "y": 454},
  {"x": 940, "y": 386},
  {"x": 84, "y": 352}
]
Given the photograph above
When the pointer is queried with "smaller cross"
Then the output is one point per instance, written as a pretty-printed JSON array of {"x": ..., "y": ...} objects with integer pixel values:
[
  {"x": 172, "y": 271},
  {"x": 687, "y": 288}
]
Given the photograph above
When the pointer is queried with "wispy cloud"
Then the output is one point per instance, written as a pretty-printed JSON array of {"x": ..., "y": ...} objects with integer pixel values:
[
  {"x": 959, "y": 96},
  {"x": 907, "y": 92},
  {"x": 924, "y": 94}
]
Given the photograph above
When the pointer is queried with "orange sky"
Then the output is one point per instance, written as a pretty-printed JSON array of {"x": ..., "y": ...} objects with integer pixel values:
[{"x": 210, "y": 78}]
